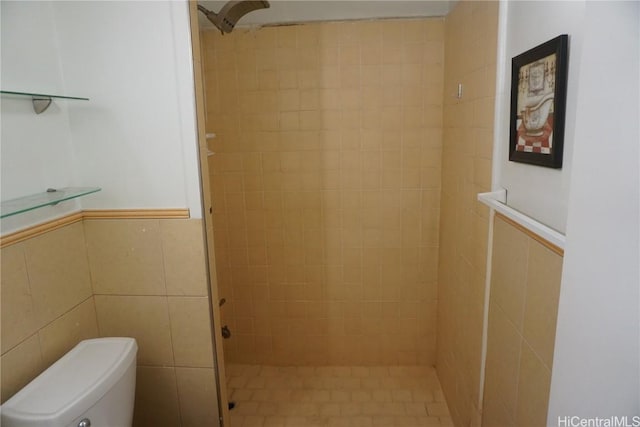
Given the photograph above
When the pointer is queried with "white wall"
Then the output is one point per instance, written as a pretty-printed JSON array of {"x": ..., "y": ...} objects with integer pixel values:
[
  {"x": 541, "y": 193},
  {"x": 135, "y": 138},
  {"x": 595, "y": 371},
  {"x": 36, "y": 150},
  {"x": 594, "y": 198}
]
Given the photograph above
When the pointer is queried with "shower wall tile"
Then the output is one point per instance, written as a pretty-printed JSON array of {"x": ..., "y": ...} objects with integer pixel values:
[
  {"x": 470, "y": 34},
  {"x": 326, "y": 189}
]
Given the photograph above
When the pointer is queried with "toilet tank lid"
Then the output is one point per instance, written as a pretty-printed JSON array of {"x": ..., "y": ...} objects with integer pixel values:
[{"x": 74, "y": 383}]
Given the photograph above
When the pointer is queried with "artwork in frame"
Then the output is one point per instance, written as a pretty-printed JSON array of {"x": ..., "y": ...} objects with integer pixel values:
[{"x": 538, "y": 100}]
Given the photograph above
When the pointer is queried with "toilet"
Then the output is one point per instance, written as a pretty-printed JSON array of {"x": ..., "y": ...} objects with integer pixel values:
[{"x": 92, "y": 385}]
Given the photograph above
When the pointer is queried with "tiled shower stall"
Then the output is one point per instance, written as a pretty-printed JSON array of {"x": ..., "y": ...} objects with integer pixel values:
[
  {"x": 325, "y": 182},
  {"x": 343, "y": 184}
]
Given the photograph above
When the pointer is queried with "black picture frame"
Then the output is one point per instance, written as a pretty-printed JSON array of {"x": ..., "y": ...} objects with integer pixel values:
[{"x": 538, "y": 104}]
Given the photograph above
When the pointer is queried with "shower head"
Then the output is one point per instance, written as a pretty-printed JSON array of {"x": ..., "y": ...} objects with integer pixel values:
[{"x": 231, "y": 12}]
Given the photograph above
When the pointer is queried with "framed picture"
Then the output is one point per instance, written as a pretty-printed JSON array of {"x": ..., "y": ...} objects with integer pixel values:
[{"x": 538, "y": 100}]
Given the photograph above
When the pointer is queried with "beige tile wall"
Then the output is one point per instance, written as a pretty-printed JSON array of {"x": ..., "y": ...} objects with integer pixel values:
[
  {"x": 140, "y": 278},
  {"x": 525, "y": 286},
  {"x": 47, "y": 303},
  {"x": 470, "y": 58},
  {"x": 325, "y": 185},
  {"x": 150, "y": 283}
]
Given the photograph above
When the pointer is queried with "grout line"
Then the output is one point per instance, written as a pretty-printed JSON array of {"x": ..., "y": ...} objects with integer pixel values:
[{"x": 37, "y": 331}]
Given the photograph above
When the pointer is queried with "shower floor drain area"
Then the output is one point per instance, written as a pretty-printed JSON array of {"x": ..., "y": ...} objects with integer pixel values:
[{"x": 345, "y": 396}]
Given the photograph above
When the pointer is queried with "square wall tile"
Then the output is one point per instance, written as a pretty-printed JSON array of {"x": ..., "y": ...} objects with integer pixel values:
[
  {"x": 494, "y": 413},
  {"x": 156, "y": 397},
  {"x": 191, "y": 331},
  {"x": 19, "y": 319},
  {"x": 197, "y": 396},
  {"x": 145, "y": 318},
  {"x": 184, "y": 258},
  {"x": 503, "y": 359},
  {"x": 125, "y": 256},
  {"x": 534, "y": 383},
  {"x": 64, "y": 333},
  {"x": 20, "y": 365},
  {"x": 509, "y": 270},
  {"x": 58, "y": 271},
  {"x": 543, "y": 291}
]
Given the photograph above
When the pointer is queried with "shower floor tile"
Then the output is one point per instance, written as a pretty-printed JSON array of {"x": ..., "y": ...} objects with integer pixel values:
[{"x": 340, "y": 396}]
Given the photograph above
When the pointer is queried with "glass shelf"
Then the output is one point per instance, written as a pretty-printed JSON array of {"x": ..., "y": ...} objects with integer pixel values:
[
  {"x": 50, "y": 197},
  {"x": 41, "y": 101},
  {"x": 41, "y": 95}
]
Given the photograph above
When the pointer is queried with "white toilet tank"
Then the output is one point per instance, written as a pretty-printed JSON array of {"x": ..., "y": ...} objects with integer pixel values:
[{"x": 92, "y": 385}]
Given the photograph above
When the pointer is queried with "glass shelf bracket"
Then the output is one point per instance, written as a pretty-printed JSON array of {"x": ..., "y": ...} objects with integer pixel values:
[{"x": 40, "y": 101}]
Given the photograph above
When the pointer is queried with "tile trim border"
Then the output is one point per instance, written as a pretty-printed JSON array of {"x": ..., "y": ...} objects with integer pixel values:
[
  {"x": 37, "y": 230},
  {"x": 45, "y": 227},
  {"x": 556, "y": 249},
  {"x": 136, "y": 214},
  {"x": 497, "y": 201}
]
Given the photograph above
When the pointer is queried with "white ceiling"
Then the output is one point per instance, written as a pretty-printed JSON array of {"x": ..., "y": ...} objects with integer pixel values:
[{"x": 288, "y": 11}]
